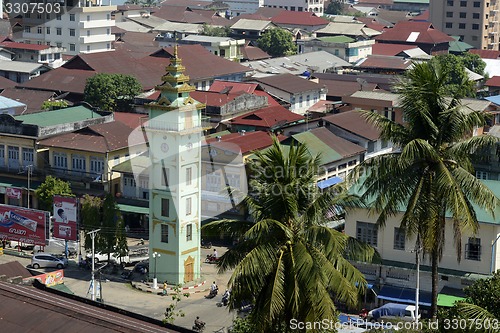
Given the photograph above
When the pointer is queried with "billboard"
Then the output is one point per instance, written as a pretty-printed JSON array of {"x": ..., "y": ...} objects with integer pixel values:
[
  {"x": 23, "y": 224},
  {"x": 65, "y": 209},
  {"x": 49, "y": 279}
]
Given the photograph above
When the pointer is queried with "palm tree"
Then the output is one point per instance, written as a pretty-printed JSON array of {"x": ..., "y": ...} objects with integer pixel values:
[
  {"x": 289, "y": 263},
  {"x": 430, "y": 173}
]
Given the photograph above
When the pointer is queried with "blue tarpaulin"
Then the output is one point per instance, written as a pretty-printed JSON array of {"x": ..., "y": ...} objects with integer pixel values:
[
  {"x": 404, "y": 295},
  {"x": 329, "y": 182}
]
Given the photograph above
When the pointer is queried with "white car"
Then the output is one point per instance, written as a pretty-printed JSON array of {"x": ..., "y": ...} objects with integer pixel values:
[
  {"x": 102, "y": 257},
  {"x": 41, "y": 260}
]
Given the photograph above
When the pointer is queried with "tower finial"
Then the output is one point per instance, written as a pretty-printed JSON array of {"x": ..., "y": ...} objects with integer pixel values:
[{"x": 175, "y": 51}]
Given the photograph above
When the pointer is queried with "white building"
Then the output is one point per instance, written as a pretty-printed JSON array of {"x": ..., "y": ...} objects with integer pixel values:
[
  {"x": 83, "y": 29},
  {"x": 238, "y": 7},
  {"x": 315, "y": 6}
]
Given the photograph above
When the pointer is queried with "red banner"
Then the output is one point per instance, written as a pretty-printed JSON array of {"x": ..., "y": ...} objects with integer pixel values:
[
  {"x": 23, "y": 225},
  {"x": 65, "y": 209},
  {"x": 49, "y": 279}
]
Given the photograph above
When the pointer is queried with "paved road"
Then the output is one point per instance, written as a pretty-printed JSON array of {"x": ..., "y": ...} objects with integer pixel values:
[{"x": 121, "y": 294}]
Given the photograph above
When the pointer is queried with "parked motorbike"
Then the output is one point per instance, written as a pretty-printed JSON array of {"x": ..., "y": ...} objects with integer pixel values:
[
  {"x": 206, "y": 245},
  {"x": 211, "y": 259}
]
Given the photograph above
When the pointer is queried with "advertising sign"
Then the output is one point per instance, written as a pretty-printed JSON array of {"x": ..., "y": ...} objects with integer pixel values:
[
  {"x": 23, "y": 224},
  {"x": 49, "y": 279},
  {"x": 65, "y": 209},
  {"x": 14, "y": 193}
]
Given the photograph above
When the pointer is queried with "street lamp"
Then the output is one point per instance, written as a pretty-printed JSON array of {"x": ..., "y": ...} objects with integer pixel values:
[
  {"x": 29, "y": 167},
  {"x": 155, "y": 281}
]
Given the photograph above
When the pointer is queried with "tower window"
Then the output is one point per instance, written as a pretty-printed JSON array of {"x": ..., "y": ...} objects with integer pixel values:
[
  {"x": 189, "y": 202},
  {"x": 165, "y": 205},
  {"x": 189, "y": 232},
  {"x": 164, "y": 233}
]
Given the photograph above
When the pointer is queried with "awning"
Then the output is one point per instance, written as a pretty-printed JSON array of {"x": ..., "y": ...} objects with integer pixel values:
[
  {"x": 448, "y": 300},
  {"x": 329, "y": 182},
  {"x": 404, "y": 295},
  {"x": 133, "y": 209}
]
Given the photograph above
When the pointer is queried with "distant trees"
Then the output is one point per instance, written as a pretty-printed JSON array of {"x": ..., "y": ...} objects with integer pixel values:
[
  {"x": 111, "y": 91},
  {"x": 97, "y": 213},
  {"x": 277, "y": 42},
  {"x": 334, "y": 8},
  {"x": 54, "y": 104},
  {"x": 50, "y": 187},
  {"x": 208, "y": 30}
]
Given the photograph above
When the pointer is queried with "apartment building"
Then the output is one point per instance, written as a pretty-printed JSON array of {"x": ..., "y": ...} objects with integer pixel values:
[
  {"x": 315, "y": 6},
  {"x": 476, "y": 22},
  {"x": 85, "y": 28}
]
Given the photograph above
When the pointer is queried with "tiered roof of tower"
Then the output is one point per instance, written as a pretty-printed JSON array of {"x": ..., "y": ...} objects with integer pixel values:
[{"x": 175, "y": 88}]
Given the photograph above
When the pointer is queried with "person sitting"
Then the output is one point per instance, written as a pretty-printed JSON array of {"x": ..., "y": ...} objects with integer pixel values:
[
  {"x": 198, "y": 324},
  {"x": 215, "y": 255}
]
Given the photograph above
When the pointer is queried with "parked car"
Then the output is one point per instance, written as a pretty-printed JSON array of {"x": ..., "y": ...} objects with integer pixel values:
[
  {"x": 392, "y": 311},
  {"x": 142, "y": 267},
  {"x": 41, "y": 259}
]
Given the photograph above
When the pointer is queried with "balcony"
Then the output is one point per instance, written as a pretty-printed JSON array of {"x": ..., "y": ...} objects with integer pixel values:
[
  {"x": 96, "y": 39},
  {"x": 96, "y": 24},
  {"x": 77, "y": 176},
  {"x": 167, "y": 126}
]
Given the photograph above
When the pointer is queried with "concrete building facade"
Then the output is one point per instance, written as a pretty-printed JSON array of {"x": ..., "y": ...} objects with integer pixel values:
[
  {"x": 476, "y": 22},
  {"x": 315, "y": 6}
]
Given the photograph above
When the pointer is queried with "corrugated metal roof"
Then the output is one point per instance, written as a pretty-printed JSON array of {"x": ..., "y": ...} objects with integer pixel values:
[
  {"x": 7, "y": 103},
  {"x": 56, "y": 117},
  {"x": 257, "y": 25},
  {"x": 19, "y": 66}
]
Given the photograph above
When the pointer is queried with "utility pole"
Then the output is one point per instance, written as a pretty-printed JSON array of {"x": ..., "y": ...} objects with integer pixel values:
[
  {"x": 417, "y": 289},
  {"x": 92, "y": 281},
  {"x": 29, "y": 183}
]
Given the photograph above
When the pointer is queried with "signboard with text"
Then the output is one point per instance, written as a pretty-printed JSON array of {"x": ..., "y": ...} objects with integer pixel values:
[
  {"x": 14, "y": 193},
  {"x": 49, "y": 279},
  {"x": 65, "y": 209},
  {"x": 23, "y": 224}
]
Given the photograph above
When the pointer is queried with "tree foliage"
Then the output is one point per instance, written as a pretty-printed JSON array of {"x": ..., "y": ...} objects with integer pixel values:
[
  {"x": 457, "y": 79},
  {"x": 430, "y": 173},
  {"x": 277, "y": 42},
  {"x": 335, "y": 8},
  {"x": 288, "y": 263},
  {"x": 48, "y": 189},
  {"x": 54, "y": 104},
  {"x": 171, "y": 312},
  {"x": 208, "y": 30},
  {"x": 111, "y": 91}
]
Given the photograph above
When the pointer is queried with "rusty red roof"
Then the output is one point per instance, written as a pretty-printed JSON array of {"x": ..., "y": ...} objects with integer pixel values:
[
  {"x": 486, "y": 54},
  {"x": 220, "y": 85},
  {"x": 414, "y": 32},
  {"x": 384, "y": 62},
  {"x": 6, "y": 83},
  {"x": 254, "y": 53},
  {"x": 247, "y": 142},
  {"x": 493, "y": 82},
  {"x": 14, "y": 269},
  {"x": 24, "y": 46},
  {"x": 289, "y": 83},
  {"x": 372, "y": 23},
  {"x": 388, "y": 49},
  {"x": 32, "y": 98},
  {"x": 298, "y": 18},
  {"x": 212, "y": 98},
  {"x": 267, "y": 117},
  {"x": 132, "y": 120},
  {"x": 353, "y": 122}
]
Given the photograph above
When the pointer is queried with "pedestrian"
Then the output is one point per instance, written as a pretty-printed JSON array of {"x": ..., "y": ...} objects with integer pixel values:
[{"x": 164, "y": 288}]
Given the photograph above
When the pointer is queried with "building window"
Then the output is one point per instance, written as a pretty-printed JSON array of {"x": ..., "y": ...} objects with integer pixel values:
[
  {"x": 482, "y": 175},
  {"x": 47, "y": 30},
  {"x": 43, "y": 57},
  {"x": 39, "y": 16},
  {"x": 213, "y": 181},
  {"x": 463, "y": 3},
  {"x": 301, "y": 99},
  {"x": 449, "y": 14},
  {"x": 88, "y": 48},
  {"x": 27, "y": 29},
  {"x": 165, "y": 206},
  {"x": 449, "y": 25},
  {"x": 461, "y": 26},
  {"x": 449, "y": 3},
  {"x": 399, "y": 239},
  {"x": 367, "y": 232},
  {"x": 58, "y": 17},
  {"x": 189, "y": 232},
  {"x": 189, "y": 176},
  {"x": 473, "y": 249},
  {"x": 108, "y": 16},
  {"x": 13, "y": 157},
  {"x": 164, "y": 176},
  {"x": 28, "y": 156},
  {"x": 58, "y": 44},
  {"x": 96, "y": 165},
  {"x": 72, "y": 17},
  {"x": 477, "y": 4},
  {"x": 108, "y": 31},
  {"x": 164, "y": 233},
  {"x": 463, "y": 15},
  {"x": 475, "y": 26},
  {"x": 475, "y": 15},
  {"x": 474, "y": 38},
  {"x": 88, "y": 18},
  {"x": 389, "y": 114},
  {"x": 60, "y": 161},
  {"x": 72, "y": 32},
  {"x": 39, "y": 30},
  {"x": 78, "y": 163},
  {"x": 108, "y": 46},
  {"x": 47, "y": 16},
  {"x": 189, "y": 202},
  {"x": 59, "y": 31},
  {"x": 72, "y": 47}
]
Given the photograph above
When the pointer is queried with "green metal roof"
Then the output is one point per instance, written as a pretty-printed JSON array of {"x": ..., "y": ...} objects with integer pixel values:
[
  {"x": 133, "y": 209},
  {"x": 337, "y": 39},
  {"x": 56, "y": 117},
  {"x": 62, "y": 287},
  {"x": 316, "y": 146},
  {"x": 448, "y": 300},
  {"x": 459, "y": 47}
]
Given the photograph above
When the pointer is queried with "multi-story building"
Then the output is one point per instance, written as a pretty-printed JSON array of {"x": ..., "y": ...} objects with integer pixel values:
[
  {"x": 83, "y": 29},
  {"x": 476, "y": 22},
  {"x": 315, "y": 6}
]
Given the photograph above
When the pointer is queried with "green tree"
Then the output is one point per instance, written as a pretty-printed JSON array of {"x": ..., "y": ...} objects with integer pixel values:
[
  {"x": 50, "y": 187},
  {"x": 121, "y": 248},
  {"x": 288, "y": 263},
  {"x": 54, "y": 104},
  {"x": 208, "y": 30},
  {"x": 109, "y": 91},
  {"x": 335, "y": 8},
  {"x": 111, "y": 216},
  {"x": 277, "y": 42},
  {"x": 170, "y": 311},
  {"x": 90, "y": 216},
  {"x": 457, "y": 79},
  {"x": 430, "y": 172}
]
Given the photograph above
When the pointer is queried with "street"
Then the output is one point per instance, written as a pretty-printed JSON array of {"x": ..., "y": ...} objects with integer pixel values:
[{"x": 120, "y": 293}]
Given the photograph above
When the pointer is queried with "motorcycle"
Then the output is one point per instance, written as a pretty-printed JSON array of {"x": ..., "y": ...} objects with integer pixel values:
[
  {"x": 212, "y": 293},
  {"x": 206, "y": 245},
  {"x": 225, "y": 299},
  {"x": 211, "y": 259},
  {"x": 199, "y": 326}
]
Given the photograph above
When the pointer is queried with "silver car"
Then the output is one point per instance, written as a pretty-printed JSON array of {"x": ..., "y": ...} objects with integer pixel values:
[{"x": 48, "y": 260}]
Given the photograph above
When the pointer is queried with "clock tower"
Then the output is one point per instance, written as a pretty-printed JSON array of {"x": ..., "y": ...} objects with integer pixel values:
[{"x": 174, "y": 135}]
